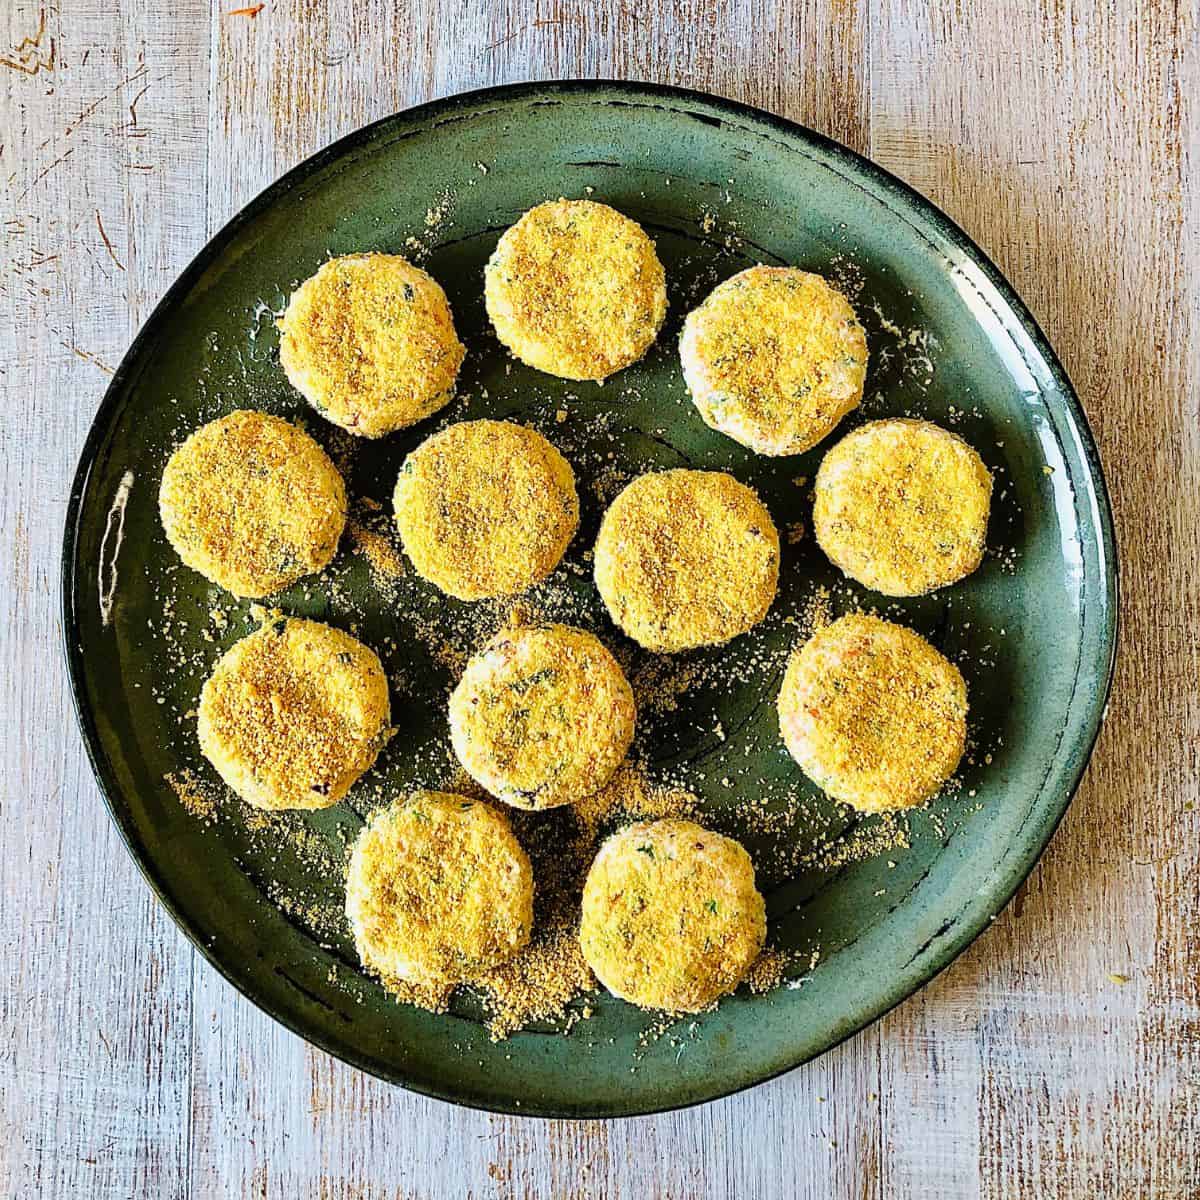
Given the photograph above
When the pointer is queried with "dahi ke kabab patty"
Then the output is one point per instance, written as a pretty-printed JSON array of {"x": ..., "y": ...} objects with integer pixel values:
[
  {"x": 874, "y": 715},
  {"x": 902, "y": 507},
  {"x": 774, "y": 358},
  {"x": 671, "y": 916},
  {"x": 439, "y": 890},
  {"x": 575, "y": 289},
  {"x": 369, "y": 342},
  {"x": 293, "y": 714},
  {"x": 687, "y": 558},
  {"x": 542, "y": 716},
  {"x": 252, "y": 503},
  {"x": 486, "y": 508}
]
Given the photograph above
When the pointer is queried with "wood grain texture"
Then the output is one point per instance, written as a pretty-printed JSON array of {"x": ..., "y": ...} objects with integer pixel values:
[
  {"x": 102, "y": 130},
  {"x": 1064, "y": 137}
]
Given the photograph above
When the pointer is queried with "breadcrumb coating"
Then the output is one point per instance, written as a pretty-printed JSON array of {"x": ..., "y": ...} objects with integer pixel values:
[
  {"x": 294, "y": 713},
  {"x": 774, "y": 358},
  {"x": 542, "y": 716},
  {"x": 438, "y": 891},
  {"x": 902, "y": 506},
  {"x": 671, "y": 916},
  {"x": 687, "y": 558},
  {"x": 369, "y": 341},
  {"x": 576, "y": 289},
  {"x": 252, "y": 503},
  {"x": 486, "y": 508},
  {"x": 874, "y": 715}
]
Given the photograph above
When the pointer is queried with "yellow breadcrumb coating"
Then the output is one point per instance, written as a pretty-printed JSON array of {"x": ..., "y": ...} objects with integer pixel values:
[
  {"x": 671, "y": 917},
  {"x": 543, "y": 716},
  {"x": 774, "y": 358},
  {"x": 293, "y": 714},
  {"x": 486, "y": 508},
  {"x": 687, "y": 558},
  {"x": 575, "y": 289},
  {"x": 902, "y": 506},
  {"x": 873, "y": 713},
  {"x": 369, "y": 341},
  {"x": 252, "y": 503},
  {"x": 438, "y": 891}
]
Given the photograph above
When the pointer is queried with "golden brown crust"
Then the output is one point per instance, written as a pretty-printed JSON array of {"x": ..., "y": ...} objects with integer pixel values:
[
  {"x": 486, "y": 508},
  {"x": 438, "y": 891},
  {"x": 687, "y": 558},
  {"x": 671, "y": 916},
  {"x": 293, "y": 714},
  {"x": 774, "y": 358},
  {"x": 252, "y": 503},
  {"x": 902, "y": 506},
  {"x": 542, "y": 716},
  {"x": 369, "y": 341},
  {"x": 576, "y": 289},
  {"x": 873, "y": 713}
]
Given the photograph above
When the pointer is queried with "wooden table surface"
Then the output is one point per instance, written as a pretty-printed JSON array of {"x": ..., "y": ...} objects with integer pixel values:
[{"x": 1059, "y": 1057}]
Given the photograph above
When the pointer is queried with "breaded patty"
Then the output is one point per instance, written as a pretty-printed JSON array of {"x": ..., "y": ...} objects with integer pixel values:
[
  {"x": 687, "y": 558},
  {"x": 486, "y": 508},
  {"x": 873, "y": 714},
  {"x": 902, "y": 506},
  {"x": 671, "y": 917},
  {"x": 774, "y": 358},
  {"x": 575, "y": 289},
  {"x": 252, "y": 503},
  {"x": 543, "y": 716},
  {"x": 369, "y": 341},
  {"x": 293, "y": 714},
  {"x": 439, "y": 889}
]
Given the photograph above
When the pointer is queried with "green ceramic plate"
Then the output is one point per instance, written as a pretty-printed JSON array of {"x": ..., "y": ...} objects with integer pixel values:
[{"x": 719, "y": 186}]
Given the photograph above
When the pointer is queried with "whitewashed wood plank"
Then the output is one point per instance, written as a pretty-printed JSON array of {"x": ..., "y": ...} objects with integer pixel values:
[{"x": 102, "y": 121}]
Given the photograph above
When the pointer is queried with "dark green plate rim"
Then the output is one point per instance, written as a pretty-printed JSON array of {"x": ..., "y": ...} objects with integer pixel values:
[{"x": 877, "y": 179}]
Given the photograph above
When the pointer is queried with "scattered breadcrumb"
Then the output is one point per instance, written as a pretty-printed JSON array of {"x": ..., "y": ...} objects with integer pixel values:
[
  {"x": 769, "y": 970},
  {"x": 199, "y": 798},
  {"x": 383, "y": 556}
]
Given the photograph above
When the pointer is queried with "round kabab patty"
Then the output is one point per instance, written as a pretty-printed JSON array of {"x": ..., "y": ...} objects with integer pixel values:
[
  {"x": 293, "y": 714},
  {"x": 575, "y": 289},
  {"x": 671, "y": 915},
  {"x": 438, "y": 890},
  {"x": 687, "y": 558},
  {"x": 486, "y": 508},
  {"x": 873, "y": 714},
  {"x": 369, "y": 341},
  {"x": 542, "y": 716},
  {"x": 252, "y": 503},
  {"x": 774, "y": 358}
]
